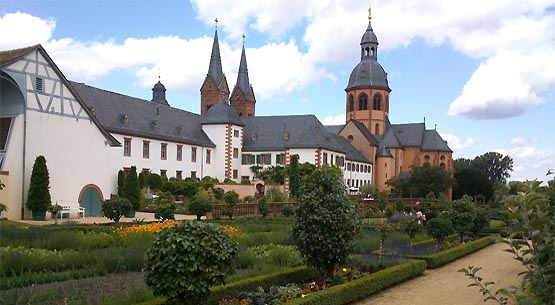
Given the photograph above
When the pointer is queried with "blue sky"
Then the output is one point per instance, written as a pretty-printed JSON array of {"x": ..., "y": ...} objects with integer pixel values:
[{"x": 484, "y": 72}]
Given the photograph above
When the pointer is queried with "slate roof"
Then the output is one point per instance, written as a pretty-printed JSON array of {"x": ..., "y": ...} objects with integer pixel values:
[
  {"x": 433, "y": 142},
  {"x": 222, "y": 113},
  {"x": 215, "y": 68},
  {"x": 350, "y": 152},
  {"x": 409, "y": 135},
  {"x": 334, "y": 128},
  {"x": 145, "y": 118},
  {"x": 243, "y": 82}
]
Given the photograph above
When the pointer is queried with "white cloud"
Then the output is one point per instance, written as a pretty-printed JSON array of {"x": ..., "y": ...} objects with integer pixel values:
[
  {"x": 455, "y": 142},
  {"x": 518, "y": 141},
  {"x": 23, "y": 30},
  {"x": 334, "y": 120},
  {"x": 530, "y": 163}
]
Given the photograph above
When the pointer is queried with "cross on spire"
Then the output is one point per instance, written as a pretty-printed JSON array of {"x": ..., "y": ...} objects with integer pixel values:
[
  {"x": 216, "y": 21},
  {"x": 243, "y": 39}
]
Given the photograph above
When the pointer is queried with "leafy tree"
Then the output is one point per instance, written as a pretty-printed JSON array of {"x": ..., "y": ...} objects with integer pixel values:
[
  {"x": 325, "y": 222},
  {"x": 154, "y": 181},
  {"x": 131, "y": 189},
  {"x": 413, "y": 224},
  {"x": 435, "y": 207},
  {"x": 114, "y": 209},
  {"x": 275, "y": 195},
  {"x": 367, "y": 189},
  {"x": 422, "y": 181},
  {"x": 399, "y": 206},
  {"x": 462, "y": 163},
  {"x": 495, "y": 165},
  {"x": 439, "y": 228},
  {"x": 187, "y": 259},
  {"x": 121, "y": 180},
  {"x": 231, "y": 199},
  {"x": 200, "y": 205},
  {"x": 472, "y": 182},
  {"x": 462, "y": 216},
  {"x": 142, "y": 178},
  {"x": 263, "y": 206},
  {"x": 481, "y": 220},
  {"x": 165, "y": 207},
  {"x": 38, "y": 198},
  {"x": 382, "y": 204},
  {"x": 294, "y": 178}
]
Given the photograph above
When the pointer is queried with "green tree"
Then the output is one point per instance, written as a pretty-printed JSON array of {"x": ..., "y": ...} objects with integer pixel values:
[
  {"x": 187, "y": 259},
  {"x": 114, "y": 209},
  {"x": 481, "y": 220},
  {"x": 462, "y": 163},
  {"x": 325, "y": 222},
  {"x": 166, "y": 207},
  {"x": 38, "y": 197},
  {"x": 472, "y": 182},
  {"x": 131, "y": 189},
  {"x": 231, "y": 199},
  {"x": 263, "y": 206},
  {"x": 439, "y": 228},
  {"x": 200, "y": 204},
  {"x": 294, "y": 178},
  {"x": 463, "y": 215},
  {"x": 428, "y": 179},
  {"x": 121, "y": 180},
  {"x": 154, "y": 181},
  {"x": 496, "y": 166}
]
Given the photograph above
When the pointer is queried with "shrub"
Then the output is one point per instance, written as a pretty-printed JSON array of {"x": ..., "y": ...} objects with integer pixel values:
[
  {"x": 275, "y": 194},
  {"x": 263, "y": 206},
  {"x": 325, "y": 222},
  {"x": 481, "y": 220},
  {"x": 231, "y": 199},
  {"x": 382, "y": 204},
  {"x": 399, "y": 206},
  {"x": 114, "y": 209},
  {"x": 121, "y": 179},
  {"x": 154, "y": 181},
  {"x": 166, "y": 207},
  {"x": 131, "y": 189},
  {"x": 248, "y": 199},
  {"x": 186, "y": 260},
  {"x": 245, "y": 181},
  {"x": 288, "y": 210},
  {"x": 38, "y": 198},
  {"x": 462, "y": 216},
  {"x": 200, "y": 205},
  {"x": 439, "y": 228}
]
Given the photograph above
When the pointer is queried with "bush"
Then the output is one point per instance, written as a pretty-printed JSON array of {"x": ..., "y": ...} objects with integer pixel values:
[
  {"x": 245, "y": 181},
  {"x": 38, "y": 198},
  {"x": 263, "y": 206},
  {"x": 187, "y": 259},
  {"x": 325, "y": 222},
  {"x": 439, "y": 228},
  {"x": 288, "y": 210},
  {"x": 166, "y": 207},
  {"x": 200, "y": 205},
  {"x": 154, "y": 181},
  {"x": 399, "y": 206},
  {"x": 248, "y": 199},
  {"x": 275, "y": 195},
  {"x": 114, "y": 209},
  {"x": 231, "y": 199},
  {"x": 131, "y": 189}
]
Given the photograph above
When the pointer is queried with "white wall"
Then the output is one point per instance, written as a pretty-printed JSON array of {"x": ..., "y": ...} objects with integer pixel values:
[{"x": 218, "y": 135}]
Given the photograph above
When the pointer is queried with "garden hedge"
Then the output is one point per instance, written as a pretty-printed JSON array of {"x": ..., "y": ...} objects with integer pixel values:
[
  {"x": 439, "y": 259},
  {"x": 363, "y": 287},
  {"x": 292, "y": 275}
]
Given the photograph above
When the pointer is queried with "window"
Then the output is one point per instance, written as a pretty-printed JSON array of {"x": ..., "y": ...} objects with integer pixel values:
[
  {"x": 363, "y": 102},
  {"x": 358, "y": 168},
  {"x": 163, "y": 173},
  {"x": 5, "y": 124},
  {"x": 351, "y": 103},
  {"x": 377, "y": 101},
  {"x": 264, "y": 159},
  {"x": 280, "y": 159},
  {"x": 235, "y": 153},
  {"x": 193, "y": 154},
  {"x": 236, "y": 133},
  {"x": 331, "y": 159},
  {"x": 146, "y": 149},
  {"x": 247, "y": 159},
  {"x": 193, "y": 174},
  {"x": 349, "y": 166},
  {"x": 208, "y": 155},
  {"x": 39, "y": 84},
  {"x": 350, "y": 138},
  {"x": 442, "y": 158},
  {"x": 325, "y": 158},
  {"x": 235, "y": 174},
  {"x": 164, "y": 151},
  {"x": 127, "y": 147},
  {"x": 377, "y": 129},
  {"x": 178, "y": 175},
  {"x": 179, "y": 152}
]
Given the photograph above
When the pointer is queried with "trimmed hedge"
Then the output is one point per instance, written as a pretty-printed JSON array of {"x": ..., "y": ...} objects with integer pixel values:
[
  {"x": 363, "y": 287},
  {"x": 292, "y": 275},
  {"x": 434, "y": 241},
  {"x": 439, "y": 259}
]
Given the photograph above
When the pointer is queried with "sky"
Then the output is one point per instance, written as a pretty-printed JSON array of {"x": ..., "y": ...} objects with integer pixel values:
[{"x": 481, "y": 72}]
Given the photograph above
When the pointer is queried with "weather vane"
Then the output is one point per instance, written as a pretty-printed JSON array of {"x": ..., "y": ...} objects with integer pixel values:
[
  {"x": 158, "y": 73},
  {"x": 369, "y": 12},
  {"x": 216, "y": 20}
]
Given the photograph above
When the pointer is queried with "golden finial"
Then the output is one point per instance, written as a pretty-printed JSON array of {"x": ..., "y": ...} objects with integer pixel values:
[{"x": 369, "y": 12}]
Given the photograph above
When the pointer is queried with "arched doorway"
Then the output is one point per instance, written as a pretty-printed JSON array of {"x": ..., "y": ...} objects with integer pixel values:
[{"x": 90, "y": 198}]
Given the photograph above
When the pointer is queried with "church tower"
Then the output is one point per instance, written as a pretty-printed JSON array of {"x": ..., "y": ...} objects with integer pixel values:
[
  {"x": 368, "y": 91},
  {"x": 215, "y": 86},
  {"x": 242, "y": 96}
]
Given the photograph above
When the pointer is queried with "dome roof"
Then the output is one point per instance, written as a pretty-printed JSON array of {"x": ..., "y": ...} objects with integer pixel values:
[
  {"x": 222, "y": 113},
  {"x": 368, "y": 73},
  {"x": 159, "y": 85},
  {"x": 369, "y": 36}
]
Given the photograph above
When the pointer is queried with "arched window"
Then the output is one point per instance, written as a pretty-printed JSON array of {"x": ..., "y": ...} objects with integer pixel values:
[
  {"x": 377, "y": 130},
  {"x": 366, "y": 51},
  {"x": 372, "y": 51},
  {"x": 442, "y": 165},
  {"x": 351, "y": 103},
  {"x": 363, "y": 102},
  {"x": 350, "y": 138},
  {"x": 377, "y": 101}
]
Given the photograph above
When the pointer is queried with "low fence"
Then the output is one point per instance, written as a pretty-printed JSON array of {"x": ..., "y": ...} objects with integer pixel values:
[{"x": 247, "y": 209}]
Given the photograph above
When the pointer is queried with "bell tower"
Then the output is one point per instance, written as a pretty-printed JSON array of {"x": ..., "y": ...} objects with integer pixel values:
[
  {"x": 242, "y": 97},
  {"x": 215, "y": 86},
  {"x": 367, "y": 98}
]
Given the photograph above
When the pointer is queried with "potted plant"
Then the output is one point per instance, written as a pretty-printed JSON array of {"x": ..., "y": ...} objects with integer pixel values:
[{"x": 38, "y": 198}]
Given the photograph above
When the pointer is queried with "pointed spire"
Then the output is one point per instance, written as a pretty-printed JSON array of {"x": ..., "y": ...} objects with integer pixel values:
[
  {"x": 243, "y": 75},
  {"x": 215, "y": 69}
]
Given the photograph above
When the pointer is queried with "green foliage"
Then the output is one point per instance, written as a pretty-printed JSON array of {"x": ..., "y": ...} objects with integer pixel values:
[
  {"x": 142, "y": 178},
  {"x": 229, "y": 181},
  {"x": 439, "y": 228},
  {"x": 367, "y": 190},
  {"x": 200, "y": 205},
  {"x": 165, "y": 207},
  {"x": 435, "y": 207},
  {"x": 131, "y": 190},
  {"x": 154, "y": 181},
  {"x": 275, "y": 195},
  {"x": 399, "y": 206},
  {"x": 288, "y": 210},
  {"x": 245, "y": 181},
  {"x": 423, "y": 180},
  {"x": 382, "y": 204},
  {"x": 187, "y": 259},
  {"x": 121, "y": 179},
  {"x": 38, "y": 198},
  {"x": 367, "y": 285},
  {"x": 325, "y": 222},
  {"x": 248, "y": 199},
  {"x": 472, "y": 182},
  {"x": 231, "y": 199},
  {"x": 441, "y": 258},
  {"x": 463, "y": 215},
  {"x": 114, "y": 209},
  {"x": 263, "y": 206},
  {"x": 218, "y": 194},
  {"x": 496, "y": 166},
  {"x": 294, "y": 176},
  {"x": 481, "y": 220}
]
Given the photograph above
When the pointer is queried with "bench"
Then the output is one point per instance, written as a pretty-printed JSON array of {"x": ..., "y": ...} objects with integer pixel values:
[{"x": 67, "y": 210}]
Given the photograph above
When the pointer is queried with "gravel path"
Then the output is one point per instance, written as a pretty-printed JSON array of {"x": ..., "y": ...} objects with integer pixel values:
[{"x": 445, "y": 285}]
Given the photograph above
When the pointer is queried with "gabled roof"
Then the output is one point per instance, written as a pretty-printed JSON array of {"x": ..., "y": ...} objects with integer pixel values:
[
  {"x": 144, "y": 118},
  {"x": 409, "y": 135},
  {"x": 334, "y": 128},
  {"x": 433, "y": 142},
  {"x": 350, "y": 152},
  {"x": 222, "y": 113},
  {"x": 367, "y": 134},
  {"x": 10, "y": 56}
]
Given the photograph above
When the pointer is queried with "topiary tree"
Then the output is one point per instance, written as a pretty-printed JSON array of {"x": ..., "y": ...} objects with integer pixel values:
[
  {"x": 263, "y": 206},
  {"x": 187, "y": 259},
  {"x": 439, "y": 228},
  {"x": 131, "y": 189},
  {"x": 121, "y": 180},
  {"x": 38, "y": 198},
  {"x": 154, "y": 181},
  {"x": 200, "y": 205},
  {"x": 231, "y": 199},
  {"x": 294, "y": 180},
  {"x": 325, "y": 222},
  {"x": 481, "y": 220},
  {"x": 165, "y": 207},
  {"x": 114, "y": 209}
]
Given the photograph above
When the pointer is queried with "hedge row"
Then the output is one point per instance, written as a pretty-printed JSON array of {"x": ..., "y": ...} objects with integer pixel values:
[
  {"x": 363, "y": 287},
  {"x": 439, "y": 259},
  {"x": 292, "y": 275},
  {"x": 434, "y": 241}
]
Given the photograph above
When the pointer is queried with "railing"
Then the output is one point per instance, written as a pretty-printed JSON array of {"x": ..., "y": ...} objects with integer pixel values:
[{"x": 247, "y": 209}]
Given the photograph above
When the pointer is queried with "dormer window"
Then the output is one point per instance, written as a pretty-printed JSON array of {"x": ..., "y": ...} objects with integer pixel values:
[
  {"x": 181, "y": 130},
  {"x": 254, "y": 136},
  {"x": 155, "y": 124},
  {"x": 93, "y": 111},
  {"x": 125, "y": 119},
  {"x": 286, "y": 136},
  {"x": 39, "y": 84}
]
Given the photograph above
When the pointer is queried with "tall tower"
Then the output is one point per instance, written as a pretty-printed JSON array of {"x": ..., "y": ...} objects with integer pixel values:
[
  {"x": 215, "y": 86},
  {"x": 242, "y": 97},
  {"x": 368, "y": 91}
]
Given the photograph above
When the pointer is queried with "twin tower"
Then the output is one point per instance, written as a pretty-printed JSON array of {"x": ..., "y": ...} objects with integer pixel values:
[{"x": 215, "y": 88}]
